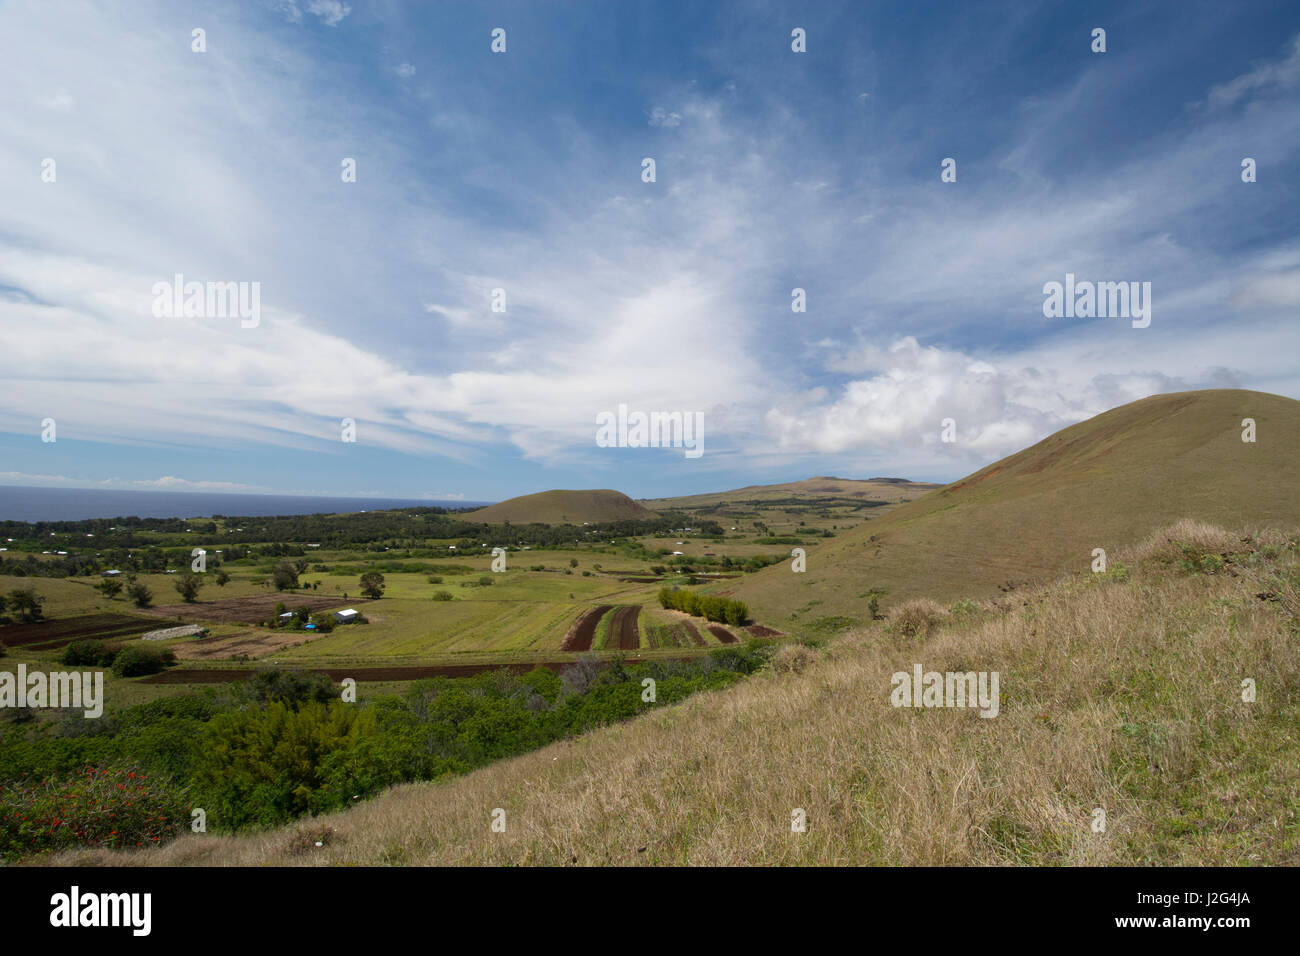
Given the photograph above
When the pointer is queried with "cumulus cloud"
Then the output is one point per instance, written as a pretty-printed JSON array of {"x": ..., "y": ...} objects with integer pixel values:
[
  {"x": 999, "y": 404},
  {"x": 671, "y": 296}
]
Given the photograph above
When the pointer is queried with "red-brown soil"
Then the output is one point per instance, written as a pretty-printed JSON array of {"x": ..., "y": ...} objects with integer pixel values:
[
  {"x": 722, "y": 634},
  {"x": 583, "y": 629},
  {"x": 624, "y": 635}
]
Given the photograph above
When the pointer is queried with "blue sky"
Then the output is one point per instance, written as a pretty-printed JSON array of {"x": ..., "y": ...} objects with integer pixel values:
[{"x": 522, "y": 171}]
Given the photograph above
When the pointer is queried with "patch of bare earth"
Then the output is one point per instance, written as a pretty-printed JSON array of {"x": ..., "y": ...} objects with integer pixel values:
[
  {"x": 250, "y": 643},
  {"x": 583, "y": 630},
  {"x": 624, "y": 635},
  {"x": 247, "y": 610},
  {"x": 722, "y": 634}
]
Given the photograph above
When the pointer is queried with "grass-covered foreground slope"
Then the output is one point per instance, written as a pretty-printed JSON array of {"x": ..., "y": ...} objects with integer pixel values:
[
  {"x": 1104, "y": 483},
  {"x": 1119, "y": 691},
  {"x": 565, "y": 507}
]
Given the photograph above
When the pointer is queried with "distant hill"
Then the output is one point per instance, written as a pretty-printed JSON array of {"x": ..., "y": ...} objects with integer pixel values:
[
  {"x": 872, "y": 489},
  {"x": 1103, "y": 483},
  {"x": 560, "y": 507}
]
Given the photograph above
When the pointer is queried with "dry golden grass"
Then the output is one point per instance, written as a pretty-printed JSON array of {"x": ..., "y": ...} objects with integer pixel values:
[
  {"x": 1117, "y": 692},
  {"x": 918, "y": 617}
]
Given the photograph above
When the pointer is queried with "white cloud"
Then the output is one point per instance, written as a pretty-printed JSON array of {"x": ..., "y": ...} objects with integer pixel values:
[
  {"x": 331, "y": 12},
  {"x": 666, "y": 297},
  {"x": 662, "y": 117},
  {"x": 1279, "y": 75}
]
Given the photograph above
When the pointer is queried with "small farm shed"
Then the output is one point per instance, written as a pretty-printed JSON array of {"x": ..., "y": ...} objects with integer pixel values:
[{"x": 345, "y": 617}]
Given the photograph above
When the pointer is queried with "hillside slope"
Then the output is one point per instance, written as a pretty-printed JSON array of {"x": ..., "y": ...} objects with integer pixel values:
[
  {"x": 561, "y": 506},
  {"x": 869, "y": 489},
  {"x": 1119, "y": 692},
  {"x": 1103, "y": 483}
]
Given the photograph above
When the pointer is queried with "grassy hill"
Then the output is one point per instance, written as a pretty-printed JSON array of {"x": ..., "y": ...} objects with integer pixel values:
[
  {"x": 1119, "y": 691},
  {"x": 559, "y": 507},
  {"x": 870, "y": 489},
  {"x": 1102, "y": 483}
]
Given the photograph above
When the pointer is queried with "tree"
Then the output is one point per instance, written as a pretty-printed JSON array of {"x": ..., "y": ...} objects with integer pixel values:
[
  {"x": 27, "y": 603},
  {"x": 187, "y": 586},
  {"x": 372, "y": 585},
  {"x": 222, "y": 578},
  {"x": 286, "y": 577},
  {"x": 110, "y": 587},
  {"x": 140, "y": 594},
  {"x": 573, "y": 562}
]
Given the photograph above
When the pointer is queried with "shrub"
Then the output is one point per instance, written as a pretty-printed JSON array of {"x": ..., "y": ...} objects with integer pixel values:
[
  {"x": 1173, "y": 545},
  {"x": 485, "y": 581},
  {"x": 434, "y": 579},
  {"x": 187, "y": 586},
  {"x": 113, "y": 808},
  {"x": 917, "y": 618},
  {"x": 285, "y": 576},
  {"x": 443, "y": 596},
  {"x": 792, "y": 658},
  {"x": 89, "y": 653},
  {"x": 140, "y": 595},
  {"x": 266, "y": 766},
  {"x": 135, "y": 661},
  {"x": 294, "y": 687}
]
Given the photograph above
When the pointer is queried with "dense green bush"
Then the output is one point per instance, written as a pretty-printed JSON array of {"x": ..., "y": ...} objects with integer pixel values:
[
  {"x": 292, "y": 687},
  {"x": 89, "y": 653},
  {"x": 709, "y": 606},
  {"x": 135, "y": 661}
]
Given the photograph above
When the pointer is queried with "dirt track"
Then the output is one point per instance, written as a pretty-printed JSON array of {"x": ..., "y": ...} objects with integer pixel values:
[
  {"x": 624, "y": 635},
  {"x": 583, "y": 629}
]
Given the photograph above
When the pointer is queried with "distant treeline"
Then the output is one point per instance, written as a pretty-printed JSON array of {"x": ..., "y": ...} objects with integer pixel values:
[
  {"x": 405, "y": 527},
  {"x": 411, "y": 529}
]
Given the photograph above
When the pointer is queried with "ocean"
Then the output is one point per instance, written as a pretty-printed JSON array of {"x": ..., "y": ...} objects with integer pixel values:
[{"x": 19, "y": 503}]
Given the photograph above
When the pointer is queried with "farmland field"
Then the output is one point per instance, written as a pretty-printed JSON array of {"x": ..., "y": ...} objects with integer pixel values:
[{"x": 442, "y": 606}]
